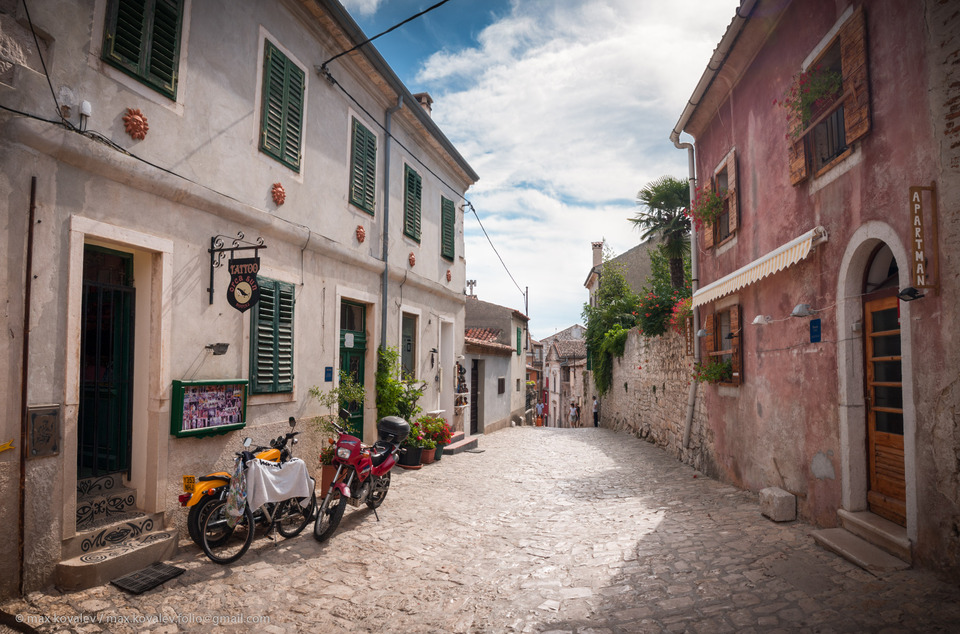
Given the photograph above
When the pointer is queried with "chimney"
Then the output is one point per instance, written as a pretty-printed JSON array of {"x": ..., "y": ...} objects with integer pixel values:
[
  {"x": 426, "y": 101},
  {"x": 597, "y": 253}
]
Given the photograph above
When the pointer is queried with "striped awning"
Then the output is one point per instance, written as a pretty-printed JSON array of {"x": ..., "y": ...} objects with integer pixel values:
[{"x": 777, "y": 260}]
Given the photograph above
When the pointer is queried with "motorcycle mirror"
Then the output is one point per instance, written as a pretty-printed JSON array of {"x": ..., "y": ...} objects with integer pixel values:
[
  {"x": 344, "y": 413},
  {"x": 293, "y": 422},
  {"x": 247, "y": 442}
]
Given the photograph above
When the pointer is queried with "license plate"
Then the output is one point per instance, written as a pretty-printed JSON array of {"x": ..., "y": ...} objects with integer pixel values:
[{"x": 189, "y": 482}]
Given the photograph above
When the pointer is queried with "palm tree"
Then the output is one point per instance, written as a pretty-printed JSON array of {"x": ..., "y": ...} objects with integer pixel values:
[{"x": 664, "y": 202}]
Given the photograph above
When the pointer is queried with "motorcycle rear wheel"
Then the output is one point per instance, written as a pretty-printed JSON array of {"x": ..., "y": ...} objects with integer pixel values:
[
  {"x": 197, "y": 512},
  {"x": 379, "y": 489},
  {"x": 329, "y": 515},
  {"x": 294, "y": 514},
  {"x": 221, "y": 543}
]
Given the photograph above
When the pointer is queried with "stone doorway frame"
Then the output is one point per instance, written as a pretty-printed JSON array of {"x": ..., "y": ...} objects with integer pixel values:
[{"x": 850, "y": 359}]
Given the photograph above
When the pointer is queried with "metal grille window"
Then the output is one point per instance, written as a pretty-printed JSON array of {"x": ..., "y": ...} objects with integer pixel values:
[
  {"x": 363, "y": 168},
  {"x": 271, "y": 337},
  {"x": 281, "y": 125},
  {"x": 412, "y": 195},
  {"x": 142, "y": 38},
  {"x": 448, "y": 220}
]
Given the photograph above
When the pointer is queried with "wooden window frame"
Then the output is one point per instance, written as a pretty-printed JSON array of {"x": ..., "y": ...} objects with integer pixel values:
[
  {"x": 282, "y": 107},
  {"x": 448, "y": 224},
  {"x": 272, "y": 335},
  {"x": 854, "y": 100},
  {"x": 412, "y": 203},
  {"x": 363, "y": 168},
  {"x": 712, "y": 236},
  {"x": 715, "y": 340},
  {"x": 152, "y": 55}
]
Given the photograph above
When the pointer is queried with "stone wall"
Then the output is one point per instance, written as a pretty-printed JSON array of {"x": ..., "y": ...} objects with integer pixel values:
[{"x": 649, "y": 394}]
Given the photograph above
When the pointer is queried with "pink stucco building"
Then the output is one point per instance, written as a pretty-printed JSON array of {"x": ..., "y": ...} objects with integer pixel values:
[{"x": 853, "y": 405}]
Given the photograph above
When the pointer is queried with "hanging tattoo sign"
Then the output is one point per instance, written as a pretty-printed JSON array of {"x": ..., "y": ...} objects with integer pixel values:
[{"x": 243, "y": 291}]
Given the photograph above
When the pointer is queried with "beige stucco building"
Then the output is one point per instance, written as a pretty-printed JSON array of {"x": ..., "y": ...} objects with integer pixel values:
[{"x": 204, "y": 126}]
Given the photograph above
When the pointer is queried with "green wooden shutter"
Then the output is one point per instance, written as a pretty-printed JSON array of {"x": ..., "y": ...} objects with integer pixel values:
[
  {"x": 142, "y": 38},
  {"x": 271, "y": 364},
  {"x": 448, "y": 219},
  {"x": 363, "y": 169},
  {"x": 413, "y": 191},
  {"x": 282, "y": 118},
  {"x": 519, "y": 341}
]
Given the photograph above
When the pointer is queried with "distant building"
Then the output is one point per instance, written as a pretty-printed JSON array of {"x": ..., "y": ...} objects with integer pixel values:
[{"x": 634, "y": 264}]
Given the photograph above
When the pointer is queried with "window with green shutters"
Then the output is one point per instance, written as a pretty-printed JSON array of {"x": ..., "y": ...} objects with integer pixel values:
[
  {"x": 142, "y": 38},
  {"x": 282, "y": 119},
  {"x": 363, "y": 168},
  {"x": 412, "y": 194},
  {"x": 271, "y": 337},
  {"x": 519, "y": 341},
  {"x": 448, "y": 220}
]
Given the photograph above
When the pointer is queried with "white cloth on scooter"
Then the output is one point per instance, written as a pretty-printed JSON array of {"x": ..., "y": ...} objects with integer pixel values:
[{"x": 277, "y": 481}]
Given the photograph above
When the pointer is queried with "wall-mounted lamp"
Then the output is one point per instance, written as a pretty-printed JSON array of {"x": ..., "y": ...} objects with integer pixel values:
[
  {"x": 433, "y": 356},
  {"x": 702, "y": 333},
  {"x": 762, "y": 320},
  {"x": 731, "y": 335},
  {"x": 802, "y": 310},
  {"x": 218, "y": 348},
  {"x": 909, "y": 294}
]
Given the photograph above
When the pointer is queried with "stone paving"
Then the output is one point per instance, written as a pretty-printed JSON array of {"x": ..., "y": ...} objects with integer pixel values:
[{"x": 546, "y": 530}]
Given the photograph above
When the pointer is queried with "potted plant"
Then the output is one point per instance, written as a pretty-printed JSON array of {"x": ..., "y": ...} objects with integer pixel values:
[
  {"x": 413, "y": 448},
  {"x": 811, "y": 94},
  {"x": 348, "y": 390},
  {"x": 707, "y": 207},
  {"x": 428, "y": 451},
  {"x": 713, "y": 370},
  {"x": 438, "y": 430}
]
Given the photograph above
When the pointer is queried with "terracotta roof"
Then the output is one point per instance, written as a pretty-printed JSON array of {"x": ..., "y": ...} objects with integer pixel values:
[
  {"x": 571, "y": 348},
  {"x": 483, "y": 334}
]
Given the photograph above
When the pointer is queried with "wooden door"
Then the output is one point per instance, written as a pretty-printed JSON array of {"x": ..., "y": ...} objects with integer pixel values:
[{"x": 884, "y": 407}]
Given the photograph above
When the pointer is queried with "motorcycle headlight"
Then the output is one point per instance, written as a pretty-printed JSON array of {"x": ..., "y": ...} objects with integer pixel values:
[{"x": 343, "y": 453}]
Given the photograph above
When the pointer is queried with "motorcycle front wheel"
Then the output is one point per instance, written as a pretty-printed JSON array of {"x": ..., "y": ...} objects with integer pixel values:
[
  {"x": 219, "y": 541},
  {"x": 294, "y": 514},
  {"x": 329, "y": 515},
  {"x": 379, "y": 488}
]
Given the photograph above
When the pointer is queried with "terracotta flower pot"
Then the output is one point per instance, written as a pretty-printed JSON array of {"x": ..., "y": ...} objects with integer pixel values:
[{"x": 426, "y": 456}]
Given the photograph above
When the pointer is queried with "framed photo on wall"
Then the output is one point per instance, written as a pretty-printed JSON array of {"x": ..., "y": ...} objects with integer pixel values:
[{"x": 205, "y": 408}]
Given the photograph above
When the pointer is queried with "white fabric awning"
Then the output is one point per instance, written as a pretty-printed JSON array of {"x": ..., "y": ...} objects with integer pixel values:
[{"x": 777, "y": 260}]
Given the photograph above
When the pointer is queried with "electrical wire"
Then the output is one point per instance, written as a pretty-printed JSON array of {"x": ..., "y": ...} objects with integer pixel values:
[
  {"x": 36, "y": 43},
  {"x": 392, "y": 28},
  {"x": 469, "y": 204}
]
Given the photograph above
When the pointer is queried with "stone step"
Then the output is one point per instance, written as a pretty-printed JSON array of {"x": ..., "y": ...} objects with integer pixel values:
[
  {"x": 98, "y": 567},
  {"x": 459, "y": 443},
  {"x": 108, "y": 531},
  {"x": 880, "y": 532},
  {"x": 858, "y": 551},
  {"x": 99, "y": 504}
]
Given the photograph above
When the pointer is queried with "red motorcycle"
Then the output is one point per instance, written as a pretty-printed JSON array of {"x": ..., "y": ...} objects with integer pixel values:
[{"x": 363, "y": 473}]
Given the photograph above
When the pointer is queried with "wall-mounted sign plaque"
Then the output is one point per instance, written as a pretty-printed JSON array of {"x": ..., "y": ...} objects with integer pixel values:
[
  {"x": 244, "y": 291},
  {"x": 204, "y": 408}
]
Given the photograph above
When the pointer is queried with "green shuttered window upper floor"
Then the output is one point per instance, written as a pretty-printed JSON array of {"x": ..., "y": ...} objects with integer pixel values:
[
  {"x": 142, "y": 38},
  {"x": 363, "y": 168},
  {"x": 281, "y": 125}
]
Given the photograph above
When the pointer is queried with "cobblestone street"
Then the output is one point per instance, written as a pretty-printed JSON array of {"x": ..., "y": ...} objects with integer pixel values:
[{"x": 544, "y": 530}]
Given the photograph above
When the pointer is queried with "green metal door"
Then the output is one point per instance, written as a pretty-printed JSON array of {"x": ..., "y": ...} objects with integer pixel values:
[
  {"x": 353, "y": 348},
  {"x": 106, "y": 363}
]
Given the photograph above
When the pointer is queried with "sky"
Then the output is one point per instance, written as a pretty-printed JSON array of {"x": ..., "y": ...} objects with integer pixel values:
[{"x": 564, "y": 108}]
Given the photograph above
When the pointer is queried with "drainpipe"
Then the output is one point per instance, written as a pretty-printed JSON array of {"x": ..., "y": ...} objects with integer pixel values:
[
  {"x": 386, "y": 227},
  {"x": 24, "y": 376},
  {"x": 716, "y": 63}
]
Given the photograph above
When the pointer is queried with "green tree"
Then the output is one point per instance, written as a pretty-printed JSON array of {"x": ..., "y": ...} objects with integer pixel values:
[
  {"x": 663, "y": 214},
  {"x": 608, "y": 321}
]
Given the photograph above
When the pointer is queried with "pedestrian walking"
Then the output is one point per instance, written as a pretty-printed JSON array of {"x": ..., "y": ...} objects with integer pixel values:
[
  {"x": 579, "y": 417},
  {"x": 573, "y": 414},
  {"x": 596, "y": 412}
]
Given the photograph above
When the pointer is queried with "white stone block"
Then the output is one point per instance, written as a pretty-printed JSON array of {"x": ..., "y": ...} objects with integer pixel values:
[{"x": 778, "y": 505}]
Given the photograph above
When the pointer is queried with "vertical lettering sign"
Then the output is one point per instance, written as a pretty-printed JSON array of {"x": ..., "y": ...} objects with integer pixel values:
[
  {"x": 244, "y": 291},
  {"x": 923, "y": 202}
]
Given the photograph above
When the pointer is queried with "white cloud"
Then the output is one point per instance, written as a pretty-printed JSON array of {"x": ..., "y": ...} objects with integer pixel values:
[
  {"x": 361, "y": 7},
  {"x": 564, "y": 108}
]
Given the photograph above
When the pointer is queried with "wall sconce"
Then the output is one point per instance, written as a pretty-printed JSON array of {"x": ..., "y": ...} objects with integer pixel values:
[
  {"x": 732, "y": 335},
  {"x": 433, "y": 356},
  {"x": 762, "y": 320},
  {"x": 218, "y": 348},
  {"x": 702, "y": 333},
  {"x": 802, "y": 310},
  {"x": 909, "y": 294}
]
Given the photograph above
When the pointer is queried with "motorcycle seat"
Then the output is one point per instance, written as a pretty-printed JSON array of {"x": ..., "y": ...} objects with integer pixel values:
[{"x": 379, "y": 452}]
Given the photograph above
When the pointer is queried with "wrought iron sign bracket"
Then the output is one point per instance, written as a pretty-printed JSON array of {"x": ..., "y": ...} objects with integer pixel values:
[{"x": 217, "y": 250}]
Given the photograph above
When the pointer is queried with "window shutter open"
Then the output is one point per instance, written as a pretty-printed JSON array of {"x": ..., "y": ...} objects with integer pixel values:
[
  {"x": 711, "y": 345},
  {"x": 448, "y": 220},
  {"x": 271, "y": 364},
  {"x": 413, "y": 190},
  {"x": 142, "y": 37},
  {"x": 796, "y": 150},
  {"x": 853, "y": 62},
  {"x": 282, "y": 118},
  {"x": 285, "y": 338},
  {"x": 732, "y": 192},
  {"x": 737, "y": 349},
  {"x": 707, "y": 227}
]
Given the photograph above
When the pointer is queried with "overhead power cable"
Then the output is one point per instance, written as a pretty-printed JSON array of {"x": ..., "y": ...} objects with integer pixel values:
[{"x": 392, "y": 28}]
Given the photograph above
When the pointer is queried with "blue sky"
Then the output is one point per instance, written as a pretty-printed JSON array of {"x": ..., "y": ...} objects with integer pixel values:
[{"x": 564, "y": 109}]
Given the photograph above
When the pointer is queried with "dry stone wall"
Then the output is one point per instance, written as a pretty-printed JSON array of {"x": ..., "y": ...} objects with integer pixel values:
[{"x": 649, "y": 394}]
